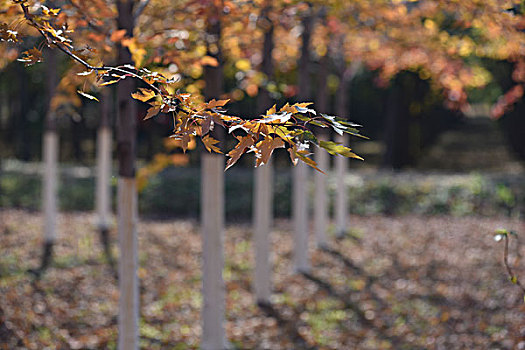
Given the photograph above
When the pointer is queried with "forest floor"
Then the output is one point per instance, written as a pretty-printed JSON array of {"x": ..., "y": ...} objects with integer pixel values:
[{"x": 406, "y": 282}]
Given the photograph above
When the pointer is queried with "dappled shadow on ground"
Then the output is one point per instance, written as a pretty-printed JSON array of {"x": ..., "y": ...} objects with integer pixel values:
[{"x": 396, "y": 283}]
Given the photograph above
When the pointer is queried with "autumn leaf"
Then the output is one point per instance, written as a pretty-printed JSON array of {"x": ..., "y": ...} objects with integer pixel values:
[
  {"x": 152, "y": 112},
  {"x": 86, "y": 95},
  {"x": 245, "y": 142},
  {"x": 265, "y": 149},
  {"x": 302, "y": 155},
  {"x": 337, "y": 149},
  {"x": 31, "y": 57},
  {"x": 117, "y": 35},
  {"x": 272, "y": 110},
  {"x": 209, "y": 143},
  {"x": 207, "y": 125},
  {"x": 215, "y": 103},
  {"x": 209, "y": 61},
  {"x": 143, "y": 94}
]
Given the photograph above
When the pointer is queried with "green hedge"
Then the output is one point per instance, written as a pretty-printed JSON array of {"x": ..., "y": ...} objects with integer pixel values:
[{"x": 176, "y": 191}]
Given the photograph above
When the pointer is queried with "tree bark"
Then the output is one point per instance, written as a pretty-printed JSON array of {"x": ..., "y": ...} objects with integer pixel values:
[
  {"x": 212, "y": 210},
  {"x": 127, "y": 193},
  {"x": 300, "y": 171},
  {"x": 263, "y": 191}
]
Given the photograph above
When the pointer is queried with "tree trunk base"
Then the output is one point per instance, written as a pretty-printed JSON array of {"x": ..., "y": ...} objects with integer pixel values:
[
  {"x": 47, "y": 259},
  {"x": 106, "y": 244}
]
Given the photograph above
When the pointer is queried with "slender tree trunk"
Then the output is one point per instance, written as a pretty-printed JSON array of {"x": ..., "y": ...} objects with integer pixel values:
[
  {"x": 341, "y": 163},
  {"x": 300, "y": 171},
  {"x": 263, "y": 191},
  {"x": 50, "y": 159},
  {"x": 103, "y": 187},
  {"x": 127, "y": 194},
  {"x": 322, "y": 160},
  {"x": 212, "y": 211}
]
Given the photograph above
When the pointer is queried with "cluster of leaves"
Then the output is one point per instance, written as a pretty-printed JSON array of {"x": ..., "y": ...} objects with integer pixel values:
[
  {"x": 289, "y": 127},
  {"x": 284, "y": 128}
]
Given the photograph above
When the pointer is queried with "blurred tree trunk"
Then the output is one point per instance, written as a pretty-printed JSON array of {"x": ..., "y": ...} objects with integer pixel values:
[
  {"x": 397, "y": 125},
  {"x": 300, "y": 203},
  {"x": 346, "y": 74},
  {"x": 103, "y": 185},
  {"x": 263, "y": 191},
  {"x": 322, "y": 160},
  {"x": 127, "y": 193},
  {"x": 212, "y": 208},
  {"x": 21, "y": 128},
  {"x": 50, "y": 161}
]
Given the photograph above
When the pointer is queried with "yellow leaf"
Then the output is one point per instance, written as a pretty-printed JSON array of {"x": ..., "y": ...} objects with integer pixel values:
[
  {"x": 243, "y": 64},
  {"x": 87, "y": 95},
  {"x": 271, "y": 110},
  {"x": 143, "y": 94}
]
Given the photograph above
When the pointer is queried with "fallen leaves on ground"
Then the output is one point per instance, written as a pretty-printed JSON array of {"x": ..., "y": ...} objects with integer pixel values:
[{"x": 407, "y": 282}]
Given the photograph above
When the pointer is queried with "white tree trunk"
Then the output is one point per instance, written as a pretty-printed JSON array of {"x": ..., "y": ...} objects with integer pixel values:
[
  {"x": 300, "y": 217},
  {"x": 320, "y": 196},
  {"x": 50, "y": 146},
  {"x": 341, "y": 200},
  {"x": 212, "y": 221},
  {"x": 103, "y": 193},
  {"x": 128, "y": 264},
  {"x": 262, "y": 213}
]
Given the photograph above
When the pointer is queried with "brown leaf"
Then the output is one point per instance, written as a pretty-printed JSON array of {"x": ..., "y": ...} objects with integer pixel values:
[
  {"x": 152, "y": 112},
  {"x": 244, "y": 144},
  {"x": 209, "y": 143},
  {"x": 216, "y": 103},
  {"x": 265, "y": 149}
]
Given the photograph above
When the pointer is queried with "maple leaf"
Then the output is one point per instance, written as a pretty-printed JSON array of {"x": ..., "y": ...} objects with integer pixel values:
[
  {"x": 265, "y": 149},
  {"x": 143, "y": 94},
  {"x": 245, "y": 142},
  {"x": 209, "y": 143}
]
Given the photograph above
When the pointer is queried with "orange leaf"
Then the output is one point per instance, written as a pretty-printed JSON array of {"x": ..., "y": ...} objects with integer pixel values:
[
  {"x": 117, "y": 35},
  {"x": 209, "y": 61},
  {"x": 143, "y": 94},
  {"x": 216, "y": 103},
  {"x": 209, "y": 143}
]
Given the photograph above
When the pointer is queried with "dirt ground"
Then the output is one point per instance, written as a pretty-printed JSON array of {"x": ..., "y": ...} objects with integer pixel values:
[{"x": 410, "y": 282}]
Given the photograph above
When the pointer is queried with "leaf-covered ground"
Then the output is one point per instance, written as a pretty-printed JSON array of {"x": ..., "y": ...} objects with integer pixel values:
[{"x": 408, "y": 282}]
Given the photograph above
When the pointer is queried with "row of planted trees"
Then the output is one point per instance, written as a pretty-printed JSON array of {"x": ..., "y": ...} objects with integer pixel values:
[{"x": 197, "y": 39}]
